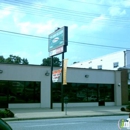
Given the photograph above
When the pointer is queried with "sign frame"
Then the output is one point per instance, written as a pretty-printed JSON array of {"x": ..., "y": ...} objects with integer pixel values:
[{"x": 58, "y": 40}]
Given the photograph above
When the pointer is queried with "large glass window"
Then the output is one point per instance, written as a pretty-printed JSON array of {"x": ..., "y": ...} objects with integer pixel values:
[
  {"x": 92, "y": 93},
  {"x": 75, "y": 92},
  {"x": 4, "y": 94},
  {"x": 20, "y": 91},
  {"x": 56, "y": 92},
  {"x": 129, "y": 92},
  {"x": 106, "y": 92},
  {"x": 79, "y": 92}
]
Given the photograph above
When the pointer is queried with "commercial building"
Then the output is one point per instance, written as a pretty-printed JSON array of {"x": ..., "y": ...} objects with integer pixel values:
[
  {"x": 111, "y": 61},
  {"x": 25, "y": 86},
  {"x": 114, "y": 61}
]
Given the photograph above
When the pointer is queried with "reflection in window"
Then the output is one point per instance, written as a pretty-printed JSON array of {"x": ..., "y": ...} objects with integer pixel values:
[
  {"x": 106, "y": 92},
  {"x": 20, "y": 91},
  {"x": 92, "y": 93},
  {"x": 128, "y": 92},
  {"x": 79, "y": 92},
  {"x": 56, "y": 92}
]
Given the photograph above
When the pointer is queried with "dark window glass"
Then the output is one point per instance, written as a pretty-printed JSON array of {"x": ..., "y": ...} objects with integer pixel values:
[
  {"x": 129, "y": 92},
  {"x": 20, "y": 91},
  {"x": 99, "y": 66},
  {"x": 115, "y": 64},
  {"x": 76, "y": 92},
  {"x": 92, "y": 93},
  {"x": 56, "y": 92},
  {"x": 31, "y": 92},
  {"x": 79, "y": 92},
  {"x": 106, "y": 92},
  {"x": 4, "y": 94}
]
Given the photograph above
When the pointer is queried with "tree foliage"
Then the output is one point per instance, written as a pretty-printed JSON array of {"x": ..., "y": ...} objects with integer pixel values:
[
  {"x": 47, "y": 62},
  {"x": 13, "y": 60}
]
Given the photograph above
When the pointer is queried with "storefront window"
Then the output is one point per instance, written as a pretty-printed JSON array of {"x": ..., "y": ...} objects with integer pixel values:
[
  {"x": 106, "y": 92},
  {"x": 4, "y": 94},
  {"x": 129, "y": 92},
  {"x": 92, "y": 93},
  {"x": 20, "y": 92},
  {"x": 79, "y": 92},
  {"x": 56, "y": 92}
]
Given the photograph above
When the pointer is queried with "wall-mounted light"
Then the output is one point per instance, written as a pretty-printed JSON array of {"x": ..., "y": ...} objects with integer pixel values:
[
  {"x": 1, "y": 71},
  {"x": 119, "y": 84},
  {"x": 86, "y": 76},
  {"x": 47, "y": 73}
]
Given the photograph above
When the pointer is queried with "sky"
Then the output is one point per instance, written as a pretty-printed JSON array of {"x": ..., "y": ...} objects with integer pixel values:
[{"x": 95, "y": 28}]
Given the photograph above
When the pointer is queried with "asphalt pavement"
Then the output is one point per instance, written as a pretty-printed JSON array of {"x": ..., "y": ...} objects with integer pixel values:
[{"x": 47, "y": 113}]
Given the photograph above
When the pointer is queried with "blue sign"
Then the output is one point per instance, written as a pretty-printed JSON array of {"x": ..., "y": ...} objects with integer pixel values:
[{"x": 58, "y": 38}]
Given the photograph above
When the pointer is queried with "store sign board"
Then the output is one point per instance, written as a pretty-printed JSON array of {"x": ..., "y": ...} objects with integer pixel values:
[{"x": 58, "y": 41}]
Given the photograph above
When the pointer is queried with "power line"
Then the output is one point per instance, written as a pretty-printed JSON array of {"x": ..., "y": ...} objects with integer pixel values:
[
  {"x": 59, "y": 9},
  {"x": 23, "y": 34},
  {"x": 82, "y": 43},
  {"x": 85, "y": 43},
  {"x": 81, "y": 16},
  {"x": 96, "y": 3}
]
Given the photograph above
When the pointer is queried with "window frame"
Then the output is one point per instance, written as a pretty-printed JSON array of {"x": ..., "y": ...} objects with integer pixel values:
[{"x": 115, "y": 64}]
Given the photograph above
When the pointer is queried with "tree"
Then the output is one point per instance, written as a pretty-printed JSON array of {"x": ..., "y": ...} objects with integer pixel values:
[
  {"x": 25, "y": 61},
  {"x": 47, "y": 62},
  {"x": 2, "y": 59},
  {"x": 13, "y": 60}
]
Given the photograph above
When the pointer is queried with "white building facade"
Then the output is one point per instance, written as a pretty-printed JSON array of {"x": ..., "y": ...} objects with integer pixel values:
[
  {"x": 28, "y": 86},
  {"x": 111, "y": 61}
]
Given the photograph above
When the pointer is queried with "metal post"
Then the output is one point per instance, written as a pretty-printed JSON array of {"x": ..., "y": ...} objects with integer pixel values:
[
  {"x": 51, "y": 84},
  {"x": 62, "y": 86},
  {"x": 66, "y": 109}
]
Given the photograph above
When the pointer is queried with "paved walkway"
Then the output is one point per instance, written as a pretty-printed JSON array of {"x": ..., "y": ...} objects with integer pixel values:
[{"x": 44, "y": 113}]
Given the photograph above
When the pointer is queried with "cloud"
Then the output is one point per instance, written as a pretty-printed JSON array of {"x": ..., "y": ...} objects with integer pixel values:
[
  {"x": 121, "y": 3},
  {"x": 37, "y": 28},
  {"x": 39, "y": 54},
  {"x": 116, "y": 11},
  {"x": 71, "y": 29},
  {"x": 25, "y": 27},
  {"x": 22, "y": 54},
  {"x": 96, "y": 24},
  {"x": 5, "y": 12},
  {"x": 47, "y": 27},
  {"x": 38, "y": 5},
  {"x": 126, "y": 3}
]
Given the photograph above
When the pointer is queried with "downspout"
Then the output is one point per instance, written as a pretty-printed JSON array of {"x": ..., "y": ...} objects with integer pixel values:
[{"x": 125, "y": 59}]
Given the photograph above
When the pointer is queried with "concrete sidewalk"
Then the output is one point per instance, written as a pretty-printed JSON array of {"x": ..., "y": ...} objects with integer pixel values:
[{"x": 44, "y": 113}]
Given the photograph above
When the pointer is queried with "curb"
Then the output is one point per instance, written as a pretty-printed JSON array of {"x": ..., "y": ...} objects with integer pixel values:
[{"x": 56, "y": 117}]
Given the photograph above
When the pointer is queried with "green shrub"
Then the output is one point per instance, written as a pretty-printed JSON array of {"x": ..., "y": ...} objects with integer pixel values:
[
  {"x": 122, "y": 109},
  {"x": 128, "y": 107},
  {"x": 2, "y": 114},
  {"x": 6, "y": 113}
]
